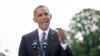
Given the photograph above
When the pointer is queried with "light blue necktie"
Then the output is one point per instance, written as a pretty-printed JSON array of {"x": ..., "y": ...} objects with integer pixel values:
[{"x": 42, "y": 41}]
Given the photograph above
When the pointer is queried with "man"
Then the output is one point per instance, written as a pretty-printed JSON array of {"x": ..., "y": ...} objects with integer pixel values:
[{"x": 56, "y": 45}]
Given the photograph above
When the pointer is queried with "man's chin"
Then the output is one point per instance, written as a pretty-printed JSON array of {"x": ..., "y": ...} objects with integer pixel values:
[{"x": 45, "y": 28}]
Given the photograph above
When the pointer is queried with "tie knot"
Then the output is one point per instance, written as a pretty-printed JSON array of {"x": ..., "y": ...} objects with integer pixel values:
[{"x": 44, "y": 33}]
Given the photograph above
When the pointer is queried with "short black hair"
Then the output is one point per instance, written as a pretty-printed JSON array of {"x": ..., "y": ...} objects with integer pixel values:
[{"x": 40, "y": 6}]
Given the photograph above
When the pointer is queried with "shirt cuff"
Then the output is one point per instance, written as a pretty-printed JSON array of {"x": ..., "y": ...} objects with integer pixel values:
[{"x": 64, "y": 45}]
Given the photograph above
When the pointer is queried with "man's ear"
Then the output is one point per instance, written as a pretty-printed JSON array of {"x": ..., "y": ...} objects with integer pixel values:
[
  {"x": 34, "y": 19},
  {"x": 50, "y": 16}
]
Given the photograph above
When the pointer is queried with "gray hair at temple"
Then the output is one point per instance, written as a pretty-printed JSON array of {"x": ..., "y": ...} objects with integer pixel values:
[{"x": 40, "y": 6}]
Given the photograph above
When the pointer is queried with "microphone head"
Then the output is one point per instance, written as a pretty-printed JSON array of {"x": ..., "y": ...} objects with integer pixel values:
[
  {"x": 44, "y": 45},
  {"x": 35, "y": 45}
]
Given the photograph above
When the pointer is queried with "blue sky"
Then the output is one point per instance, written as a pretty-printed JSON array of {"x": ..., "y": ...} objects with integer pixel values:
[{"x": 16, "y": 18}]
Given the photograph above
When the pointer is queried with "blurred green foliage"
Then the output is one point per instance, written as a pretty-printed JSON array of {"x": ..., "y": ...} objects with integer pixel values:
[{"x": 85, "y": 33}]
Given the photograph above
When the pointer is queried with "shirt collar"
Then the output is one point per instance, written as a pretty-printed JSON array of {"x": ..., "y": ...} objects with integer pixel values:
[{"x": 41, "y": 31}]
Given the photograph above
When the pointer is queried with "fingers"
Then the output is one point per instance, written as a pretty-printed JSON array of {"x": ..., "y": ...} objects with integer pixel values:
[
  {"x": 60, "y": 34},
  {"x": 59, "y": 30}
]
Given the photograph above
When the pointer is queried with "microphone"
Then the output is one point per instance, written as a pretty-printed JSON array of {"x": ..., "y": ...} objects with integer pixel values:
[
  {"x": 34, "y": 44},
  {"x": 44, "y": 45}
]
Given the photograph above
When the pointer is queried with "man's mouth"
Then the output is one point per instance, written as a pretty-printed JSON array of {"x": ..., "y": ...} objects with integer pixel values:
[{"x": 45, "y": 21}]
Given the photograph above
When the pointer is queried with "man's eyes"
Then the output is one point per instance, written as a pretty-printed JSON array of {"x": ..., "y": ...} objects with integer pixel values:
[
  {"x": 39, "y": 15},
  {"x": 46, "y": 14}
]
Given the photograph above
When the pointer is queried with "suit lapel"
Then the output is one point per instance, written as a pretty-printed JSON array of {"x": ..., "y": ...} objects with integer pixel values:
[
  {"x": 50, "y": 37},
  {"x": 36, "y": 37}
]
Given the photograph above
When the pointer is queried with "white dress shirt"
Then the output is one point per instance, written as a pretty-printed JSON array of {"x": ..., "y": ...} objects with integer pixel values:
[{"x": 64, "y": 46}]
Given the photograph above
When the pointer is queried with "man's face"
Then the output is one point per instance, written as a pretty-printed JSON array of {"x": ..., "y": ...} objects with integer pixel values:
[{"x": 43, "y": 18}]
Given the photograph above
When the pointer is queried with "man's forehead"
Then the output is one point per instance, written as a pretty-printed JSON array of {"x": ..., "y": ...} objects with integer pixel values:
[{"x": 43, "y": 9}]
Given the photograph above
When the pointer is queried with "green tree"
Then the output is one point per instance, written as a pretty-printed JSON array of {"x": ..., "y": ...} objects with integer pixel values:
[{"x": 85, "y": 33}]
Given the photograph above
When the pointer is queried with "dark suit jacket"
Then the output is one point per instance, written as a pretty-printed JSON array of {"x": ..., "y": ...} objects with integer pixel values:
[{"x": 54, "y": 48}]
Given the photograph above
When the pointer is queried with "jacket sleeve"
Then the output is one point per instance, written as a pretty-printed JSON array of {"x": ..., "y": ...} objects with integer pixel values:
[
  {"x": 22, "y": 48},
  {"x": 66, "y": 52}
]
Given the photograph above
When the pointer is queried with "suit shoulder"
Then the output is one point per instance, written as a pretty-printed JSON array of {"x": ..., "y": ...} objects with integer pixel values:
[
  {"x": 53, "y": 31},
  {"x": 30, "y": 34}
]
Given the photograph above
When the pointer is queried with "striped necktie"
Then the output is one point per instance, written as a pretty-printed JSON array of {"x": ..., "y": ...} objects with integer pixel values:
[{"x": 41, "y": 42}]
